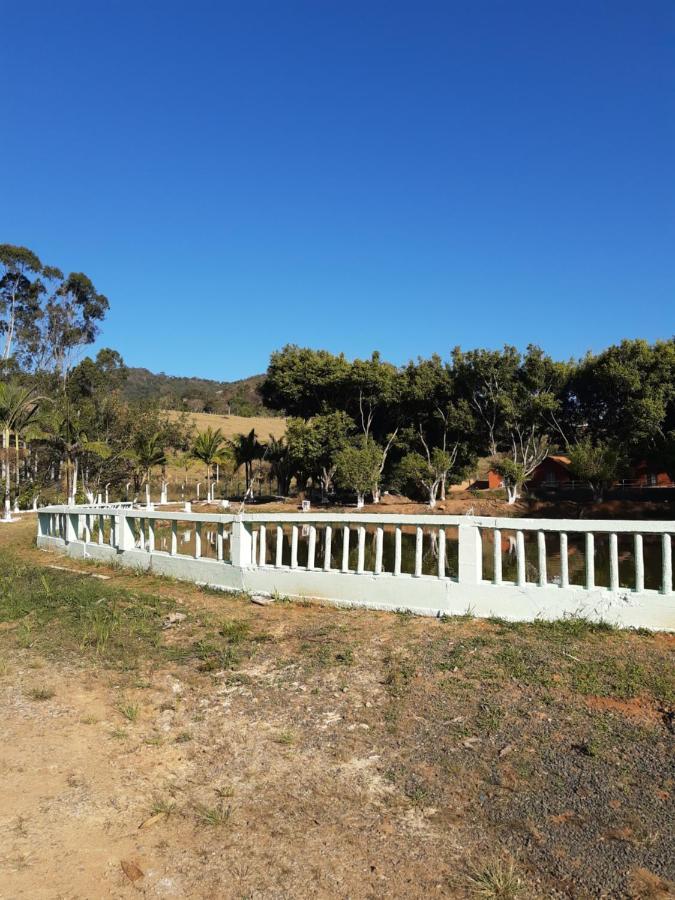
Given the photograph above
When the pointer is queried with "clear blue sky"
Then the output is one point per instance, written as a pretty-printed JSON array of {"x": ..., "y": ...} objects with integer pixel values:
[{"x": 401, "y": 176}]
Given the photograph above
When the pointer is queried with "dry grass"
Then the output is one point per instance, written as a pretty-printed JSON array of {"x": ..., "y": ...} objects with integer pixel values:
[
  {"x": 232, "y": 425},
  {"x": 366, "y": 754}
]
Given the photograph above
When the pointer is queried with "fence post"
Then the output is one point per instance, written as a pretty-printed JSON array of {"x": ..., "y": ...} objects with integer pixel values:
[
  {"x": 43, "y": 524},
  {"x": 125, "y": 534},
  {"x": 470, "y": 554},
  {"x": 241, "y": 543},
  {"x": 72, "y": 527}
]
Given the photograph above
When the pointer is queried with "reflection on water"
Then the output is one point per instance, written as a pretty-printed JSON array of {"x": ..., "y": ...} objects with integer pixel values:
[
  {"x": 576, "y": 553},
  {"x": 408, "y": 545}
]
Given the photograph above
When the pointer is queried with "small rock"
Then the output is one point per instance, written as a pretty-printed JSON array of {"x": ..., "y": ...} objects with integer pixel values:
[
  {"x": 261, "y": 600},
  {"x": 174, "y": 618},
  {"x": 132, "y": 870}
]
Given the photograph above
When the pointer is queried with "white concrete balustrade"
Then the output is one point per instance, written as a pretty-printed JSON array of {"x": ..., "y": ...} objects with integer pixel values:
[{"x": 519, "y": 569}]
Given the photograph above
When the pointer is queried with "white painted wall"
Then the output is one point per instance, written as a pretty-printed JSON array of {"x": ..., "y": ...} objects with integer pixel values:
[{"x": 69, "y": 529}]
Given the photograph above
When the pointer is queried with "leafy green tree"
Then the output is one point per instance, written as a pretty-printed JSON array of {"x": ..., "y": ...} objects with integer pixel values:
[
  {"x": 599, "y": 464},
  {"x": 313, "y": 445},
  {"x": 72, "y": 316},
  {"x": 357, "y": 468},
  {"x": 20, "y": 289},
  {"x": 304, "y": 382},
  {"x": 426, "y": 471},
  {"x": 626, "y": 394}
]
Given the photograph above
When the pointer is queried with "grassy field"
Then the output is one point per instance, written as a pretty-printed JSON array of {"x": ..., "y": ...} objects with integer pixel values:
[
  {"x": 170, "y": 741},
  {"x": 232, "y": 425}
]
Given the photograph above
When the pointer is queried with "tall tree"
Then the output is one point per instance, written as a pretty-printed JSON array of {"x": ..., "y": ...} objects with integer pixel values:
[
  {"x": 16, "y": 404},
  {"x": 73, "y": 313},
  {"x": 245, "y": 450},
  {"x": 20, "y": 290},
  {"x": 209, "y": 447}
]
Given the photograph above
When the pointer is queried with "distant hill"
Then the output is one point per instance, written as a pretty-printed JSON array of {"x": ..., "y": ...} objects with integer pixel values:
[{"x": 239, "y": 398}]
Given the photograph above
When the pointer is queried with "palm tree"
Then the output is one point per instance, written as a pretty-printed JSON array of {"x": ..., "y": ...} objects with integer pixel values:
[
  {"x": 148, "y": 453},
  {"x": 209, "y": 447},
  {"x": 63, "y": 434},
  {"x": 281, "y": 466},
  {"x": 246, "y": 450},
  {"x": 17, "y": 405}
]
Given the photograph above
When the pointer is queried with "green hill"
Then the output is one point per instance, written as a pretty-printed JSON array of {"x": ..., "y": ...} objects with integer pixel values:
[{"x": 238, "y": 398}]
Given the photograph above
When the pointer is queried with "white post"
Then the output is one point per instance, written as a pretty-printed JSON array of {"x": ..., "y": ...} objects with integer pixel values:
[
  {"x": 125, "y": 533},
  {"x": 613, "y": 562},
  {"x": 379, "y": 539},
  {"x": 174, "y": 537},
  {"x": 397, "y": 550},
  {"x": 294, "y": 547},
  {"x": 470, "y": 554},
  {"x": 151, "y": 535},
  {"x": 666, "y": 565},
  {"x": 541, "y": 553},
  {"x": 198, "y": 540},
  {"x": 311, "y": 547},
  {"x": 361, "y": 555},
  {"x": 279, "y": 556},
  {"x": 520, "y": 558},
  {"x": 497, "y": 556},
  {"x": 639, "y": 565},
  {"x": 262, "y": 546},
  {"x": 219, "y": 542},
  {"x": 419, "y": 546},
  {"x": 241, "y": 543},
  {"x": 441, "y": 552},
  {"x": 345, "y": 549},
  {"x": 254, "y": 548},
  {"x": 590, "y": 561},
  {"x": 328, "y": 538},
  {"x": 564, "y": 561},
  {"x": 199, "y": 484},
  {"x": 101, "y": 529}
]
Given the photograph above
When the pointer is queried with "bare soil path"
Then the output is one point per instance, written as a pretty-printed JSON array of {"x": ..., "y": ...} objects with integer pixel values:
[{"x": 292, "y": 751}]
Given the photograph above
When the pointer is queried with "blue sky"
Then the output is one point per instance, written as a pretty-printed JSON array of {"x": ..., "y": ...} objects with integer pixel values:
[{"x": 401, "y": 176}]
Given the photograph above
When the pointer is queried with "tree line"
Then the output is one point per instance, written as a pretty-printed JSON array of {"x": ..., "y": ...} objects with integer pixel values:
[
  {"x": 367, "y": 424},
  {"x": 66, "y": 430},
  {"x": 354, "y": 427}
]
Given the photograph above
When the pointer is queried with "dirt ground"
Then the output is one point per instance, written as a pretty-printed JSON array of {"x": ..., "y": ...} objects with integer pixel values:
[
  {"x": 163, "y": 741},
  {"x": 460, "y": 503}
]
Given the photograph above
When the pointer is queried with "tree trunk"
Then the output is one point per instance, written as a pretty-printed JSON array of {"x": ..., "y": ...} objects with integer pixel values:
[
  {"x": 444, "y": 479},
  {"x": 512, "y": 493},
  {"x": 360, "y": 500},
  {"x": 377, "y": 494},
  {"x": 8, "y": 508},
  {"x": 18, "y": 461}
]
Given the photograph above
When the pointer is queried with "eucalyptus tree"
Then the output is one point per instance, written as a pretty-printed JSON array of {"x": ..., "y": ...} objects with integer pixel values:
[
  {"x": 20, "y": 289},
  {"x": 72, "y": 316}
]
